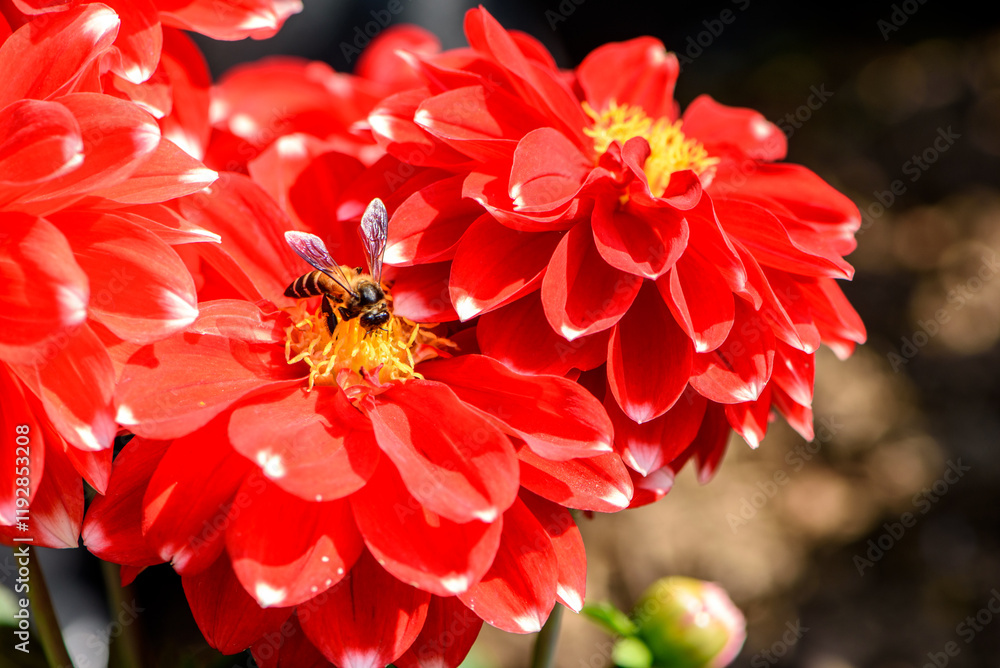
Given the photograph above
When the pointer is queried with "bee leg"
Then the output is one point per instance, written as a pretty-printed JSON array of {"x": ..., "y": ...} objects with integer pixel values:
[
  {"x": 331, "y": 316},
  {"x": 344, "y": 313}
]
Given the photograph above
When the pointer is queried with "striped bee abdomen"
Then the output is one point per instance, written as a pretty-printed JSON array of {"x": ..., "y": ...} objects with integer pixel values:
[{"x": 312, "y": 284}]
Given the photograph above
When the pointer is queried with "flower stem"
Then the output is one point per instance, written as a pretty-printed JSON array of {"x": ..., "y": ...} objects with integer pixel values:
[
  {"x": 126, "y": 645},
  {"x": 548, "y": 638},
  {"x": 49, "y": 634}
]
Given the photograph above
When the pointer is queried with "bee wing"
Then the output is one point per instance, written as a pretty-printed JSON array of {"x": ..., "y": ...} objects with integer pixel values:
[
  {"x": 312, "y": 249},
  {"x": 373, "y": 231}
]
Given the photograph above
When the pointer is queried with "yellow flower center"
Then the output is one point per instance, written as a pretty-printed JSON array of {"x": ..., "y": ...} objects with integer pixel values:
[
  {"x": 669, "y": 150},
  {"x": 354, "y": 358}
]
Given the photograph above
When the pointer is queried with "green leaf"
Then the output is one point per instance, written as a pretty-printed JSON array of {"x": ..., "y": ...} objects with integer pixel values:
[
  {"x": 611, "y": 618},
  {"x": 631, "y": 653}
]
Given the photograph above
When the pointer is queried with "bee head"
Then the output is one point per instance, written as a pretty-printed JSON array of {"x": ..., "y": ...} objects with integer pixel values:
[
  {"x": 375, "y": 318},
  {"x": 369, "y": 294}
]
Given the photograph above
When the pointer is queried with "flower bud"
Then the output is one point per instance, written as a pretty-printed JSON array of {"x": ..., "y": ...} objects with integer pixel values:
[{"x": 689, "y": 623}]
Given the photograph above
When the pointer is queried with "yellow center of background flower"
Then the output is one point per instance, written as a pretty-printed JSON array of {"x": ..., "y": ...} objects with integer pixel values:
[
  {"x": 669, "y": 150},
  {"x": 350, "y": 356}
]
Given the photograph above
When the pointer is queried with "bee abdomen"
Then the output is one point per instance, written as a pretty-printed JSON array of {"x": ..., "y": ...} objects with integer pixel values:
[{"x": 307, "y": 285}]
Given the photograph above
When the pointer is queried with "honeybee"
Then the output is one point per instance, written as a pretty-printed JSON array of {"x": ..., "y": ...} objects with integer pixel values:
[{"x": 360, "y": 296}]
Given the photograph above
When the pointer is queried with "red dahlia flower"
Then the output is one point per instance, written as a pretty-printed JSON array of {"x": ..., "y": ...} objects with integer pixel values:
[
  {"x": 85, "y": 258},
  {"x": 348, "y": 494},
  {"x": 671, "y": 251}
]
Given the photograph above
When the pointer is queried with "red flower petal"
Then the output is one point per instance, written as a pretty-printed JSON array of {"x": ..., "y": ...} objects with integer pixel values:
[
  {"x": 168, "y": 173},
  {"x": 481, "y": 123},
  {"x": 113, "y": 527},
  {"x": 127, "y": 135},
  {"x": 395, "y": 131},
  {"x": 789, "y": 315},
  {"x": 639, "y": 240},
  {"x": 652, "y": 445},
  {"x": 417, "y": 545},
  {"x": 598, "y": 483},
  {"x": 175, "y": 386},
  {"x": 455, "y": 462},
  {"x": 282, "y": 568},
  {"x": 264, "y": 255},
  {"x": 837, "y": 321},
  {"x": 794, "y": 372},
  {"x": 57, "y": 503},
  {"x": 186, "y": 70},
  {"x": 799, "y": 417},
  {"x": 237, "y": 19},
  {"x": 700, "y": 300},
  {"x": 313, "y": 445},
  {"x": 555, "y": 417},
  {"x": 571, "y": 558},
  {"x": 43, "y": 290},
  {"x": 518, "y": 592},
  {"x": 712, "y": 243},
  {"x": 651, "y": 488},
  {"x": 288, "y": 648},
  {"x": 420, "y": 293},
  {"x": 446, "y": 638},
  {"x": 639, "y": 72},
  {"x": 140, "y": 288},
  {"x": 44, "y": 58},
  {"x": 512, "y": 267},
  {"x": 225, "y": 613},
  {"x": 548, "y": 171},
  {"x": 24, "y": 448},
  {"x": 368, "y": 620},
  {"x": 137, "y": 48},
  {"x": 581, "y": 293},
  {"x": 519, "y": 336},
  {"x": 649, "y": 358},
  {"x": 187, "y": 508},
  {"x": 38, "y": 141},
  {"x": 426, "y": 227},
  {"x": 717, "y": 125},
  {"x": 382, "y": 61},
  {"x": 542, "y": 87},
  {"x": 749, "y": 419},
  {"x": 76, "y": 385},
  {"x": 710, "y": 444},
  {"x": 738, "y": 370}
]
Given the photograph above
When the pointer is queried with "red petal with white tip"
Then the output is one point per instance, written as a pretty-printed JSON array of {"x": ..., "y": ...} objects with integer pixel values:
[
  {"x": 426, "y": 227},
  {"x": 418, "y": 546},
  {"x": 749, "y": 419},
  {"x": 38, "y": 141},
  {"x": 184, "y": 505},
  {"x": 738, "y": 370},
  {"x": 649, "y": 358},
  {"x": 44, "y": 58},
  {"x": 236, "y": 19},
  {"x": 518, "y": 592},
  {"x": 226, "y": 614},
  {"x": 280, "y": 568},
  {"x": 454, "y": 461},
  {"x": 175, "y": 386},
  {"x": 168, "y": 173},
  {"x": 598, "y": 483},
  {"x": 113, "y": 527},
  {"x": 718, "y": 125},
  {"x": 368, "y": 620},
  {"x": 700, "y": 300},
  {"x": 25, "y": 447},
  {"x": 136, "y": 51},
  {"x": 43, "y": 290},
  {"x": 652, "y": 445},
  {"x": 547, "y": 172},
  {"x": 519, "y": 336},
  {"x": 639, "y": 72},
  {"x": 571, "y": 558},
  {"x": 555, "y": 417},
  {"x": 448, "y": 634},
  {"x": 642, "y": 241},
  {"x": 314, "y": 445},
  {"x": 512, "y": 268},
  {"x": 421, "y": 294},
  {"x": 140, "y": 288},
  {"x": 581, "y": 293}
]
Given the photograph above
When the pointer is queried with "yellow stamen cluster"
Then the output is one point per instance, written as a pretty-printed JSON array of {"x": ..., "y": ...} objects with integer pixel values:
[
  {"x": 350, "y": 356},
  {"x": 670, "y": 150}
]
